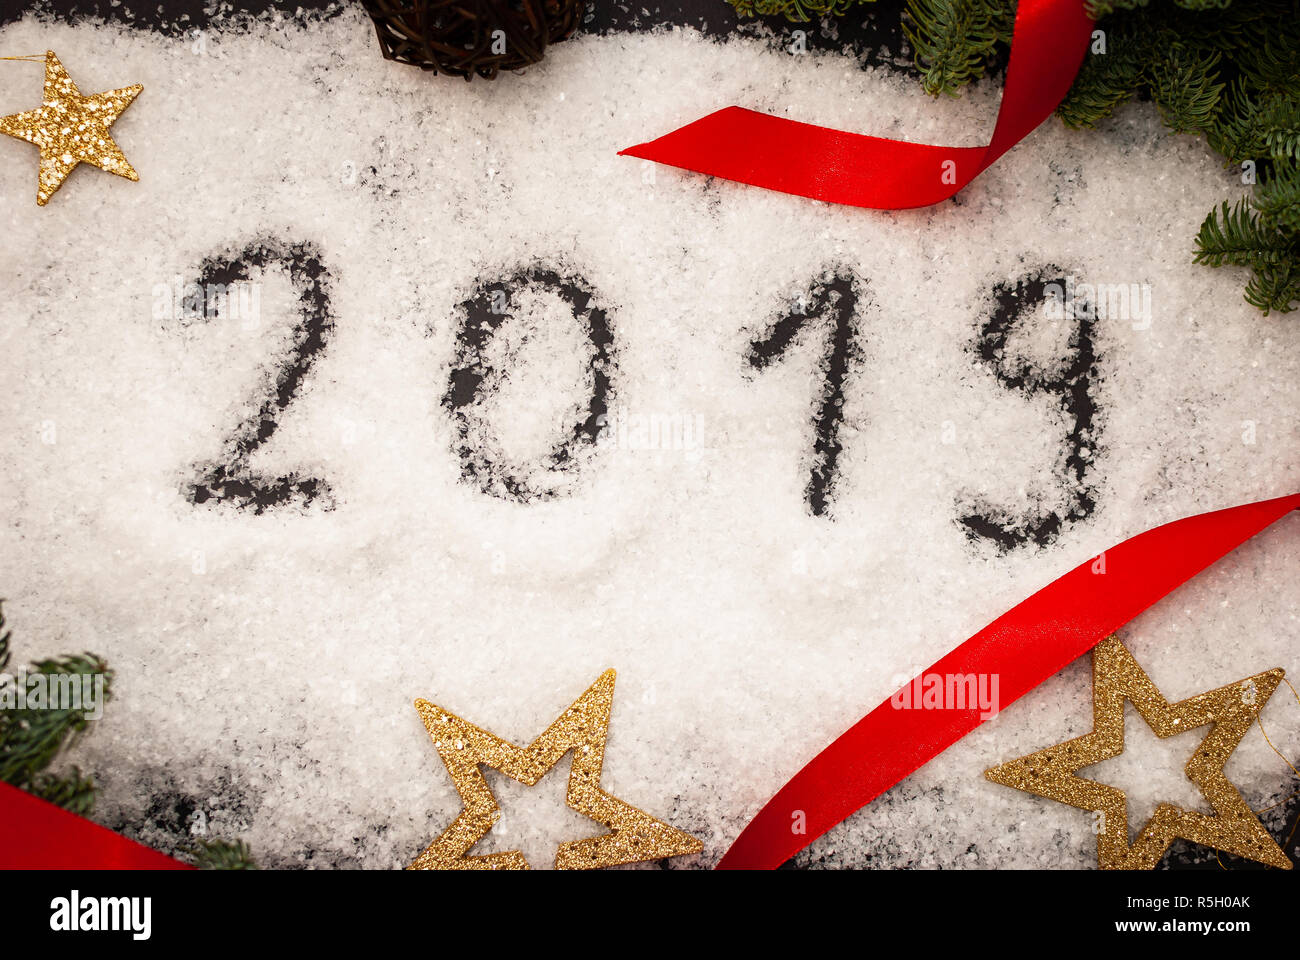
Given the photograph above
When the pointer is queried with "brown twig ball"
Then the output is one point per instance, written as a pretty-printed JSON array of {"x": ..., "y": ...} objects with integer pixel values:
[{"x": 465, "y": 38}]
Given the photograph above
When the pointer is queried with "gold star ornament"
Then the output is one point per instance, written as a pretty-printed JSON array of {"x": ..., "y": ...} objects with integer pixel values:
[
  {"x": 634, "y": 835},
  {"x": 70, "y": 129},
  {"x": 1116, "y": 677}
]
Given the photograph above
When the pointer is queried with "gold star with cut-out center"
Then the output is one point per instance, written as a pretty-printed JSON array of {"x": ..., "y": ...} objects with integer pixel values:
[
  {"x": 582, "y": 729},
  {"x": 70, "y": 129},
  {"x": 1231, "y": 709}
]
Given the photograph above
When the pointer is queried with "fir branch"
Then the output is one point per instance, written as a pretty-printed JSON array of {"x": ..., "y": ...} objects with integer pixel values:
[
  {"x": 72, "y": 791},
  {"x": 1240, "y": 236},
  {"x": 1232, "y": 236},
  {"x": 1184, "y": 86},
  {"x": 221, "y": 855},
  {"x": 799, "y": 11},
  {"x": 1109, "y": 79},
  {"x": 32, "y": 736},
  {"x": 1270, "y": 54},
  {"x": 1279, "y": 120},
  {"x": 1278, "y": 199},
  {"x": 1236, "y": 133},
  {"x": 955, "y": 39},
  {"x": 1275, "y": 285}
]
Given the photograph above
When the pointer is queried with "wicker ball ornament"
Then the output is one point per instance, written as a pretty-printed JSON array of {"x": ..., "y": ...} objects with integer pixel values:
[{"x": 465, "y": 38}]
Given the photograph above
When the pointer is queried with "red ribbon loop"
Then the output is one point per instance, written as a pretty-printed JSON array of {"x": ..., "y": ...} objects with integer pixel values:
[{"x": 1047, "y": 46}]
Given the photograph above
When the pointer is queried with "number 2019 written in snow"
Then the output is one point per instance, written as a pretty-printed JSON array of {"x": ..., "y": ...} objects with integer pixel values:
[{"x": 836, "y": 309}]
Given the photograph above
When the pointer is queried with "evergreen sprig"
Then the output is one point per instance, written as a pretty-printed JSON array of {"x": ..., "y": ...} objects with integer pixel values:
[
  {"x": 30, "y": 738},
  {"x": 1228, "y": 70},
  {"x": 222, "y": 855},
  {"x": 955, "y": 39},
  {"x": 71, "y": 791},
  {"x": 800, "y": 11}
]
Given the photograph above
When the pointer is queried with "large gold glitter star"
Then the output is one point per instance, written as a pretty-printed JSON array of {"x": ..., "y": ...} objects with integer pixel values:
[
  {"x": 634, "y": 835},
  {"x": 1231, "y": 709},
  {"x": 70, "y": 129}
]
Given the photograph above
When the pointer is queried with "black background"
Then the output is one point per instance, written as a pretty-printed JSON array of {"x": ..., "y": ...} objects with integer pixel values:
[{"x": 872, "y": 32}]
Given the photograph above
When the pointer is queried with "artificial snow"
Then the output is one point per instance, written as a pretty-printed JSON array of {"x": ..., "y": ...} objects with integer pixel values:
[{"x": 266, "y": 663}]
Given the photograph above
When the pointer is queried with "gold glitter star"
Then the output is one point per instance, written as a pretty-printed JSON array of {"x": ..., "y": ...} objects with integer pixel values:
[
  {"x": 634, "y": 835},
  {"x": 1231, "y": 709},
  {"x": 70, "y": 129}
]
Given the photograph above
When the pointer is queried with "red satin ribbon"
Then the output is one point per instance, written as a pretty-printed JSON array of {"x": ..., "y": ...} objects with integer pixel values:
[
  {"x": 36, "y": 835},
  {"x": 1047, "y": 46},
  {"x": 1023, "y": 647}
]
